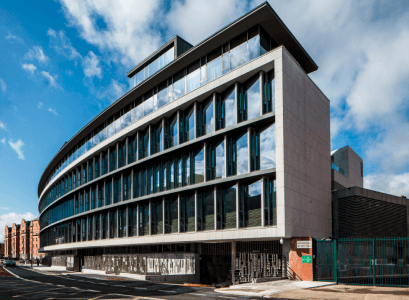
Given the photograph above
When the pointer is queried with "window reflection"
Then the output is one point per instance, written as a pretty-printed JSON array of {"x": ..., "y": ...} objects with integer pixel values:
[{"x": 242, "y": 154}]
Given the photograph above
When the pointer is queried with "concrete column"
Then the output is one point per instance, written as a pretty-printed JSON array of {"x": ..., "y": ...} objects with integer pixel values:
[
  {"x": 237, "y": 206},
  {"x": 215, "y": 207},
  {"x": 233, "y": 258}
]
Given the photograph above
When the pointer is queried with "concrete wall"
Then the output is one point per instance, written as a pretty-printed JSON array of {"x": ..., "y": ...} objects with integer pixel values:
[{"x": 303, "y": 152}]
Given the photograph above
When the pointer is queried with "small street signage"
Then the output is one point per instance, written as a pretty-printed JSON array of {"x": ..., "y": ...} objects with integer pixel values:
[
  {"x": 304, "y": 244},
  {"x": 306, "y": 259}
]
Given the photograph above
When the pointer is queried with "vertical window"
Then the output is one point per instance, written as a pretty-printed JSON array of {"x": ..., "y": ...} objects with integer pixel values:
[
  {"x": 187, "y": 125},
  {"x": 249, "y": 107},
  {"x": 93, "y": 198},
  {"x": 171, "y": 137},
  {"x": 266, "y": 150},
  {"x": 104, "y": 163},
  {"x": 215, "y": 161},
  {"x": 90, "y": 228},
  {"x": 69, "y": 183},
  {"x": 198, "y": 165},
  {"x": 74, "y": 179},
  {"x": 205, "y": 118},
  {"x": 90, "y": 170},
  {"x": 144, "y": 219},
  {"x": 268, "y": 92},
  {"x": 238, "y": 51},
  {"x": 135, "y": 184},
  {"x": 163, "y": 98},
  {"x": 86, "y": 201},
  {"x": 122, "y": 222},
  {"x": 253, "y": 44},
  {"x": 226, "y": 207},
  {"x": 193, "y": 77},
  {"x": 157, "y": 137},
  {"x": 112, "y": 159},
  {"x": 108, "y": 192},
  {"x": 214, "y": 65},
  {"x": 84, "y": 173},
  {"x": 122, "y": 154},
  {"x": 117, "y": 189},
  {"x": 187, "y": 213},
  {"x": 78, "y": 230},
  {"x": 132, "y": 149},
  {"x": 76, "y": 205},
  {"x": 171, "y": 215},
  {"x": 270, "y": 202},
  {"x": 100, "y": 195},
  {"x": 250, "y": 205},
  {"x": 205, "y": 211},
  {"x": 126, "y": 187},
  {"x": 132, "y": 220},
  {"x": 96, "y": 166},
  {"x": 81, "y": 202},
  {"x": 157, "y": 217},
  {"x": 97, "y": 227},
  {"x": 242, "y": 154},
  {"x": 144, "y": 144},
  {"x": 178, "y": 85},
  {"x": 84, "y": 227},
  {"x": 104, "y": 225},
  {"x": 226, "y": 110},
  {"x": 186, "y": 170}
]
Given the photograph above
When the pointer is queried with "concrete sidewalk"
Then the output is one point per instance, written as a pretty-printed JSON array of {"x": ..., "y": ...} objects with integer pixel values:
[{"x": 268, "y": 289}]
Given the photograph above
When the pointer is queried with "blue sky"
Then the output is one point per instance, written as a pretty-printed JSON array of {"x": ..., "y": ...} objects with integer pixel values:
[{"x": 63, "y": 62}]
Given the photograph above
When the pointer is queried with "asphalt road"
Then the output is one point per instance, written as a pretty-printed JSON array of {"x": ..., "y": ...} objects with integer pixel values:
[{"x": 36, "y": 285}]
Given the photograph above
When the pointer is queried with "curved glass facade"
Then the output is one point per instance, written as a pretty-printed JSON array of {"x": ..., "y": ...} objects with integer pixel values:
[{"x": 207, "y": 166}]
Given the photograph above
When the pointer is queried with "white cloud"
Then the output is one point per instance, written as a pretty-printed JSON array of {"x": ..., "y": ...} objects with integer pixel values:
[
  {"x": 3, "y": 140},
  {"x": 3, "y": 85},
  {"x": 129, "y": 27},
  {"x": 17, "y": 147},
  {"x": 91, "y": 65},
  {"x": 394, "y": 184},
  {"x": 37, "y": 53},
  {"x": 29, "y": 68},
  {"x": 111, "y": 92},
  {"x": 40, "y": 105},
  {"x": 11, "y": 218},
  {"x": 53, "y": 111},
  {"x": 62, "y": 44},
  {"x": 5, "y": 208},
  {"x": 2, "y": 125},
  {"x": 51, "y": 79},
  {"x": 10, "y": 37},
  {"x": 196, "y": 20}
]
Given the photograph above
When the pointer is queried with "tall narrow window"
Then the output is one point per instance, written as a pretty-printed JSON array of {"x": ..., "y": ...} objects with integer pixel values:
[
  {"x": 268, "y": 92},
  {"x": 215, "y": 161},
  {"x": 90, "y": 228},
  {"x": 144, "y": 219},
  {"x": 171, "y": 137},
  {"x": 108, "y": 192},
  {"x": 226, "y": 207},
  {"x": 157, "y": 217},
  {"x": 250, "y": 204},
  {"x": 100, "y": 195},
  {"x": 97, "y": 167},
  {"x": 270, "y": 202},
  {"x": 126, "y": 185},
  {"x": 187, "y": 125},
  {"x": 93, "y": 198},
  {"x": 178, "y": 85},
  {"x": 104, "y": 225},
  {"x": 112, "y": 159},
  {"x": 187, "y": 213},
  {"x": 171, "y": 215},
  {"x": 97, "y": 227},
  {"x": 198, "y": 165},
  {"x": 157, "y": 138},
  {"x": 205, "y": 210},
  {"x": 144, "y": 144},
  {"x": 86, "y": 201},
  {"x": 122, "y": 154},
  {"x": 104, "y": 169},
  {"x": 117, "y": 189},
  {"x": 205, "y": 118},
  {"x": 226, "y": 109},
  {"x": 132, "y": 220},
  {"x": 249, "y": 104},
  {"x": 132, "y": 149},
  {"x": 242, "y": 154},
  {"x": 90, "y": 170}
]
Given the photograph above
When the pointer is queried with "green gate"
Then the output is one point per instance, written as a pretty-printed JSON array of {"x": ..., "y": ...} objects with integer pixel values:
[{"x": 381, "y": 261}]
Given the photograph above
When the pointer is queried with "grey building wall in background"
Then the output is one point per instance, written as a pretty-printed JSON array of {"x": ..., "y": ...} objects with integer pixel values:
[{"x": 352, "y": 166}]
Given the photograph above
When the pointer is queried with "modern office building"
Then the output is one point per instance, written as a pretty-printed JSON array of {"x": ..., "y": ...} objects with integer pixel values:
[{"x": 214, "y": 160}]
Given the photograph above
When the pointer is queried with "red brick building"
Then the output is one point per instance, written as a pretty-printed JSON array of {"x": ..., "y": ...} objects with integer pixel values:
[
  {"x": 22, "y": 241},
  {"x": 7, "y": 242}
]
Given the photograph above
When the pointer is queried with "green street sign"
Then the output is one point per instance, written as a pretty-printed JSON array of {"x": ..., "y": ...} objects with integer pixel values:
[{"x": 306, "y": 259}]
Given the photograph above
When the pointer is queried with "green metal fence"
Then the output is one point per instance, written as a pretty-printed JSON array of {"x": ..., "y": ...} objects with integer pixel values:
[{"x": 381, "y": 261}]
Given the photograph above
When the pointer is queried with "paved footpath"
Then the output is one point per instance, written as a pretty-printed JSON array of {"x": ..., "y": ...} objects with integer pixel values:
[{"x": 32, "y": 284}]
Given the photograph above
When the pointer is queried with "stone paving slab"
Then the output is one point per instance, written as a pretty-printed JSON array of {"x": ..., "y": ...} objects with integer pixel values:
[{"x": 266, "y": 289}]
